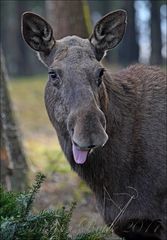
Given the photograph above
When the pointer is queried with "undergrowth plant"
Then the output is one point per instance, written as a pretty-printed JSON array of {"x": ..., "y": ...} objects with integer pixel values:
[{"x": 19, "y": 223}]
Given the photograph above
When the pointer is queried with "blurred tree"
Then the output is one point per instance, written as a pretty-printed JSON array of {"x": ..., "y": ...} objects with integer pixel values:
[
  {"x": 100, "y": 8},
  {"x": 20, "y": 54},
  {"x": 129, "y": 48},
  {"x": 12, "y": 158},
  {"x": 155, "y": 25},
  {"x": 19, "y": 60},
  {"x": 66, "y": 18}
]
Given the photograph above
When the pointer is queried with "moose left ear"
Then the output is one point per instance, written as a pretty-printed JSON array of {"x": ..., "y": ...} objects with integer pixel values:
[
  {"x": 108, "y": 32},
  {"x": 37, "y": 33}
]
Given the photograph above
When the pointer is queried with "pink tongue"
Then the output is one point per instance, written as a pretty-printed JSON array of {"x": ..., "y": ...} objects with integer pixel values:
[{"x": 79, "y": 156}]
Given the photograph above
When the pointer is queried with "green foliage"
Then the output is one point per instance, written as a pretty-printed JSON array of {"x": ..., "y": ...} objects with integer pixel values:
[
  {"x": 19, "y": 223},
  {"x": 7, "y": 204}
]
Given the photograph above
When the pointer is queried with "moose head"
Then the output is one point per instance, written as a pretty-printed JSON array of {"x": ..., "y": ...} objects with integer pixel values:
[{"x": 75, "y": 94}]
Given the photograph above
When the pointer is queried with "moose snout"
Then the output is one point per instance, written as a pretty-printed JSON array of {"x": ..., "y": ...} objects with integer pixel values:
[{"x": 87, "y": 131}]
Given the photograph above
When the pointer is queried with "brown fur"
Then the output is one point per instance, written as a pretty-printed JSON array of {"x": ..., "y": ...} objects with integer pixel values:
[{"x": 135, "y": 154}]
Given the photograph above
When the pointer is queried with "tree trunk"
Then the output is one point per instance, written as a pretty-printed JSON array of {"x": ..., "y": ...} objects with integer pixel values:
[
  {"x": 103, "y": 9},
  {"x": 66, "y": 18},
  {"x": 156, "y": 43},
  {"x": 129, "y": 48},
  {"x": 22, "y": 58},
  {"x": 19, "y": 59},
  {"x": 13, "y": 162}
]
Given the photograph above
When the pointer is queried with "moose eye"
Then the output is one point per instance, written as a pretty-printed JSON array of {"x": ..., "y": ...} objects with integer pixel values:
[
  {"x": 55, "y": 77},
  {"x": 99, "y": 77}
]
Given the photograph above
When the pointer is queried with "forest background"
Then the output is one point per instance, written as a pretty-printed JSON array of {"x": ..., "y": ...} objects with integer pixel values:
[{"x": 35, "y": 139}]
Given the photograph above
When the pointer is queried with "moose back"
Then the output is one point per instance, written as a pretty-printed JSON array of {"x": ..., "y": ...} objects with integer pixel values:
[{"x": 111, "y": 127}]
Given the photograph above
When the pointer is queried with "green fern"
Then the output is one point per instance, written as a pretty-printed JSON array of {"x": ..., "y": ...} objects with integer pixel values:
[{"x": 18, "y": 222}]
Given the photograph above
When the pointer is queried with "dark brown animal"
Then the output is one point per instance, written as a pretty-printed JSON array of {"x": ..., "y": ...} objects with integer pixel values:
[{"x": 111, "y": 127}]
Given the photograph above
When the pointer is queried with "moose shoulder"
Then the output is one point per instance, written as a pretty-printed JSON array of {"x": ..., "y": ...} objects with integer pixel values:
[{"x": 111, "y": 127}]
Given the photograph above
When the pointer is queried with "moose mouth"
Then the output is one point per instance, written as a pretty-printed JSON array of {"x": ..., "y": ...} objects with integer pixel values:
[{"x": 80, "y": 155}]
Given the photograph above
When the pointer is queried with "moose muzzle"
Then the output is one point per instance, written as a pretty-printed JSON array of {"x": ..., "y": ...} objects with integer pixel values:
[{"x": 87, "y": 131}]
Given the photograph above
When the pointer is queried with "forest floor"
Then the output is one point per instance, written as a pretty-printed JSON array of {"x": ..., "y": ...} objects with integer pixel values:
[{"x": 62, "y": 185}]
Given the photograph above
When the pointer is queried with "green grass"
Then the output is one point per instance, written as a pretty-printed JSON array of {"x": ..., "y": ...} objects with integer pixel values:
[
  {"x": 27, "y": 94},
  {"x": 39, "y": 137},
  {"x": 46, "y": 157}
]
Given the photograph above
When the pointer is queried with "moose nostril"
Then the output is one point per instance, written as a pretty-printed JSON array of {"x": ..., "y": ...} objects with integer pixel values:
[{"x": 91, "y": 146}]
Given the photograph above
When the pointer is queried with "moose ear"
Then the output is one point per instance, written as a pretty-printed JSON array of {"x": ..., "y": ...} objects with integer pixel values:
[
  {"x": 108, "y": 32},
  {"x": 37, "y": 33}
]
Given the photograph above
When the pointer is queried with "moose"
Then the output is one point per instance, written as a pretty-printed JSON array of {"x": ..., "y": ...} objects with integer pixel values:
[{"x": 111, "y": 126}]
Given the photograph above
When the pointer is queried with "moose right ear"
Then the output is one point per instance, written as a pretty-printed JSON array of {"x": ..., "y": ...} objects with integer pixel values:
[
  {"x": 108, "y": 32},
  {"x": 37, "y": 33}
]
